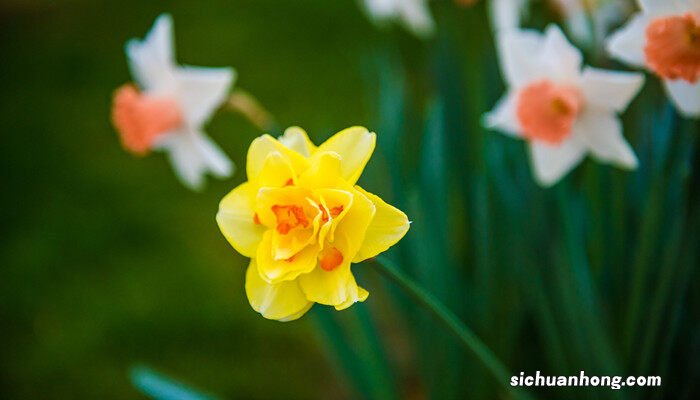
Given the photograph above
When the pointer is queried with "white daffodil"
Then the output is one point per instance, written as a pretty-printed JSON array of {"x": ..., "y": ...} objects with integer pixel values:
[
  {"x": 169, "y": 107},
  {"x": 564, "y": 111},
  {"x": 413, "y": 14},
  {"x": 665, "y": 38}
]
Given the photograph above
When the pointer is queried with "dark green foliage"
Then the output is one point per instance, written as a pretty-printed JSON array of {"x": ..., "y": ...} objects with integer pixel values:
[{"x": 105, "y": 260}]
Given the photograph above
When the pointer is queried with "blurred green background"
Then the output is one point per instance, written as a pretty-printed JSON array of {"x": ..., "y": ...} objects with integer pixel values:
[{"x": 105, "y": 259}]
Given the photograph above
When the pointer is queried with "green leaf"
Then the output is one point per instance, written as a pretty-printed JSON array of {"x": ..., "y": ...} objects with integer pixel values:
[{"x": 160, "y": 387}]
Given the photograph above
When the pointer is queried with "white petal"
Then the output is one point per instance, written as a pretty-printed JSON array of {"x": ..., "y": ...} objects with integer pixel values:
[
  {"x": 201, "y": 90},
  {"x": 602, "y": 132},
  {"x": 415, "y": 15},
  {"x": 506, "y": 14},
  {"x": 579, "y": 22},
  {"x": 663, "y": 7},
  {"x": 503, "y": 117},
  {"x": 686, "y": 96},
  {"x": 152, "y": 59},
  {"x": 627, "y": 44},
  {"x": 561, "y": 59},
  {"x": 212, "y": 156},
  {"x": 185, "y": 159},
  {"x": 579, "y": 26},
  {"x": 551, "y": 163},
  {"x": 380, "y": 9},
  {"x": 608, "y": 16},
  {"x": 193, "y": 154},
  {"x": 516, "y": 51},
  {"x": 610, "y": 90}
]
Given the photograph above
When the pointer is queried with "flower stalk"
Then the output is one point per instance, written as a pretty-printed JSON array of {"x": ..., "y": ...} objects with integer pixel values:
[
  {"x": 452, "y": 323},
  {"x": 242, "y": 102}
]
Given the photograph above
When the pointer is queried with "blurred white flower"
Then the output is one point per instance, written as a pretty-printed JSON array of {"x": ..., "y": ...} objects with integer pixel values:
[
  {"x": 170, "y": 106},
  {"x": 507, "y": 14},
  {"x": 562, "y": 110},
  {"x": 413, "y": 14},
  {"x": 584, "y": 19},
  {"x": 577, "y": 19},
  {"x": 665, "y": 38}
]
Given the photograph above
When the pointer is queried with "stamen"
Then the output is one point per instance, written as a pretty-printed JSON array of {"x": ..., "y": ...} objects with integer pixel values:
[
  {"x": 335, "y": 211},
  {"x": 330, "y": 259},
  {"x": 673, "y": 47},
  {"x": 547, "y": 111},
  {"x": 289, "y": 217}
]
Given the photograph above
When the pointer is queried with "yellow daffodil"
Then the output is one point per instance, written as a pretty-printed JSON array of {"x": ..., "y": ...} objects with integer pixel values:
[{"x": 303, "y": 221}]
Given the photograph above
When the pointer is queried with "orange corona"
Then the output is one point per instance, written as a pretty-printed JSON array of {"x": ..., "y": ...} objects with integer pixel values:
[
  {"x": 673, "y": 47},
  {"x": 141, "y": 119},
  {"x": 547, "y": 111}
]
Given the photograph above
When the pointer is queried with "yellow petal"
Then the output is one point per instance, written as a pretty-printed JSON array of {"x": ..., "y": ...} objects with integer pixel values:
[
  {"x": 296, "y": 139},
  {"x": 275, "y": 271},
  {"x": 276, "y": 171},
  {"x": 236, "y": 220},
  {"x": 325, "y": 171},
  {"x": 261, "y": 148},
  {"x": 297, "y": 315},
  {"x": 337, "y": 287},
  {"x": 328, "y": 287},
  {"x": 355, "y": 146},
  {"x": 355, "y": 294},
  {"x": 282, "y": 301},
  {"x": 350, "y": 233},
  {"x": 388, "y": 226},
  {"x": 336, "y": 204},
  {"x": 286, "y": 246}
]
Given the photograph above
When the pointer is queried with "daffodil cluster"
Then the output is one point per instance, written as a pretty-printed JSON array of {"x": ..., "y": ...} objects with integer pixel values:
[
  {"x": 301, "y": 218},
  {"x": 303, "y": 221},
  {"x": 565, "y": 111}
]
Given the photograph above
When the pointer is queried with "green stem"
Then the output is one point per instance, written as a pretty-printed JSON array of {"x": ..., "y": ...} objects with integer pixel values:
[
  {"x": 249, "y": 107},
  {"x": 453, "y": 324}
]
